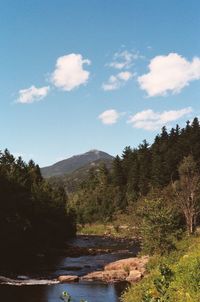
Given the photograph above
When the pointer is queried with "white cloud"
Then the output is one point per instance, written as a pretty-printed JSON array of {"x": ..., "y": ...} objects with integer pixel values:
[
  {"x": 69, "y": 72},
  {"x": 32, "y": 94},
  {"x": 124, "y": 59},
  {"x": 125, "y": 75},
  {"x": 116, "y": 81},
  {"x": 150, "y": 120},
  {"x": 109, "y": 117},
  {"x": 169, "y": 73}
]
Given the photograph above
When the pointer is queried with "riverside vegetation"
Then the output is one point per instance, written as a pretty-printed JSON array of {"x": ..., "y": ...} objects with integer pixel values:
[
  {"x": 140, "y": 173},
  {"x": 155, "y": 191},
  {"x": 173, "y": 277},
  {"x": 33, "y": 214},
  {"x": 152, "y": 192}
]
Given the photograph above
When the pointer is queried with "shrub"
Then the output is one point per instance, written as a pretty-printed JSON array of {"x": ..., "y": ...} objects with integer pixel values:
[
  {"x": 178, "y": 281},
  {"x": 157, "y": 226}
]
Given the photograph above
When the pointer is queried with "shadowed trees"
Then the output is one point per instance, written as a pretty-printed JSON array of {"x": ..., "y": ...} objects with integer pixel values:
[{"x": 32, "y": 212}]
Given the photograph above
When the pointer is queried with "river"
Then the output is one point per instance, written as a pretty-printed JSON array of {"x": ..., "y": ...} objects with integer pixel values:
[{"x": 34, "y": 280}]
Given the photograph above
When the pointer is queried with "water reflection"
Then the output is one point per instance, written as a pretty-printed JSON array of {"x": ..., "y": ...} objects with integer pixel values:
[
  {"x": 92, "y": 292},
  {"x": 50, "y": 266}
]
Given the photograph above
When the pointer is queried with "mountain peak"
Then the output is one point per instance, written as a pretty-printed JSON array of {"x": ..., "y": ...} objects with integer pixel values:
[
  {"x": 75, "y": 162},
  {"x": 94, "y": 151}
]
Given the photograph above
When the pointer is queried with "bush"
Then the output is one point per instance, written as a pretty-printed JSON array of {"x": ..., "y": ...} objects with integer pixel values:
[
  {"x": 178, "y": 281},
  {"x": 158, "y": 226},
  {"x": 186, "y": 286}
]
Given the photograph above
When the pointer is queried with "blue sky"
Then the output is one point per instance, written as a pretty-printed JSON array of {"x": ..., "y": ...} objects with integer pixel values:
[{"x": 86, "y": 74}]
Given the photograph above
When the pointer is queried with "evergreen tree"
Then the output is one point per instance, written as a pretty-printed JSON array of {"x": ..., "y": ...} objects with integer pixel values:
[
  {"x": 118, "y": 177},
  {"x": 32, "y": 212},
  {"x": 144, "y": 158}
]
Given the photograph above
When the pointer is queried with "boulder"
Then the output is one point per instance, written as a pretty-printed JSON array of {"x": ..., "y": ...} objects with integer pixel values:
[
  {"x": 128, "y": 264},
  {"x": 134, "y": 276},
  {"x": 130, "y": 270},
  {"x": 68, "y": 279},
  {"x": 107, "y": 276}
]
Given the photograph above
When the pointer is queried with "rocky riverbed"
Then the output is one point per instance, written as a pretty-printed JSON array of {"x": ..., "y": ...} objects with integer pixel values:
[
  {"x": 131, "y": 270},
  {"x": 88, "y": 262}
]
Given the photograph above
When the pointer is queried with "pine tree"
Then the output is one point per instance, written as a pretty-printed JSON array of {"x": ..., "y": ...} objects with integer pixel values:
[
  {"x": 118, "y": 177},
  {"x": 144, "y": 158}
]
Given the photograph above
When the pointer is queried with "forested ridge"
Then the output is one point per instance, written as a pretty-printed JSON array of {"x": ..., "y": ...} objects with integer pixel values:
[
  {"x": 33, "y": 213},
  {"x": 154, "y": 190},
  {"x": 136, "y": 173}
]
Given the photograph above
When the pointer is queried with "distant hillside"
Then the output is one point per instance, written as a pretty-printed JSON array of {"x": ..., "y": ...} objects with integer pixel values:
[
  {"x": 67, "y": 166},
  {"x": 72, "y": 181}
]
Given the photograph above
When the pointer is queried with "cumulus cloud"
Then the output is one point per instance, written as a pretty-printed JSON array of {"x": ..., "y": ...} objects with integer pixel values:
[
  {"x": 69, "y": 72},
  {"x": 125, "y": 75},
  {"x": 169, "y": 73},
  {"x": 116, "y": 81},
  {"x": 32, "y": 94},
  {"x": 123, "y": 59},
  {"x": 151, "y": 120},
  {"x": 109, "y": 117}
]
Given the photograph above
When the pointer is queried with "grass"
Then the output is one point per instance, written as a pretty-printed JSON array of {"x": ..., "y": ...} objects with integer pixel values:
[
  {"x": 100, "y": 229},
  {"x": 185, "y": 287}
]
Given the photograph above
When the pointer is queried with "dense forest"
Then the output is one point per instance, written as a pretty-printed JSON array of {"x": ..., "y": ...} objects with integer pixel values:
[
  {"x": 155, "y": 191},
  {"x": 36, "y": 211},
  {"x": 156, "y": 187},
  {"x": 139, "y": 172},
  {"x": 33, "y": 213}
]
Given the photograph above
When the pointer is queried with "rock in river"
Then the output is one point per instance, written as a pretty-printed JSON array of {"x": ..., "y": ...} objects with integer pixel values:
[
  {"x": 106, "y": 276},
  {"x": 131, "y": 270},
  {"x": 128, "y": 264},
  {"x": 68, "y": 279}
]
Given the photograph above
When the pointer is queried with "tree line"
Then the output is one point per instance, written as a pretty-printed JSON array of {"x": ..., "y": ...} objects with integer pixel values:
[
  {"x": 168, "y": 171},
  {"x": 33, "y": 213},
  {"x": 153, "y": 183}
]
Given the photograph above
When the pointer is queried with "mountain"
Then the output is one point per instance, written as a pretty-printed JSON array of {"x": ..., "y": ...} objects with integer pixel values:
[
  {"x": 74, "y": 163},
  {"x": 73, "y": 180}
]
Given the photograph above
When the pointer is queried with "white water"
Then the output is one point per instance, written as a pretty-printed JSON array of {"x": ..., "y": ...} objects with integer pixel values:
[{"x": 20, "y": 282}]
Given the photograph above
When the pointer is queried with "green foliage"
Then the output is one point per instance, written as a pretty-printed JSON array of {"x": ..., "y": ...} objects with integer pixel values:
[
  {"x": 161, "y": 284},
  {"x": 94, "y": 229},
  {"x": 178, "y": 281},
  {"x": 104, "y": 192},
  {"x": 187, "y": 190},
  {"x": 32, "y": 213},
  {"x": 66, "y": 297},
  {"x": 114, "y": 229},
  {"x": 97, "y": 199},
  {"x": 157, "y": 225},
  {"x": 186, "y": 285}
]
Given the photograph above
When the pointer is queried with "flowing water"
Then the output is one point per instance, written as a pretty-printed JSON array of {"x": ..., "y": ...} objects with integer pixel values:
[{"x": 34, "y": 280}]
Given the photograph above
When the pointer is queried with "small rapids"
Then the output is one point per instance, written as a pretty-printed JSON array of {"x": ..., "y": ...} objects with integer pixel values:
[
  {"x": 26, "y": 281},
  {"x": 35, "y": 278}
]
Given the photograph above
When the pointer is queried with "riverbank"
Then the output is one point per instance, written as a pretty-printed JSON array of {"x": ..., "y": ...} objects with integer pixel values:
[
  {"x": 173, "y": 277},
  {"x": 131, "y": 270},
  {"x": 115, "y": 230},
  {"x": 87, "y": 254}
]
